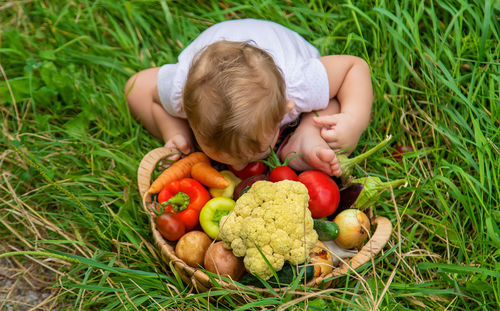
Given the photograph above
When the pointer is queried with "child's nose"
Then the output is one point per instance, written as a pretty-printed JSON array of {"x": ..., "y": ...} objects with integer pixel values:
[{"x": 239, "y": 167}]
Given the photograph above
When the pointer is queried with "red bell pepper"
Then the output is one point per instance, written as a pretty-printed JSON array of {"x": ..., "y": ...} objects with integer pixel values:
[
  {"x": 185, "y": 198},
  {"x": 324, "y": 194}
]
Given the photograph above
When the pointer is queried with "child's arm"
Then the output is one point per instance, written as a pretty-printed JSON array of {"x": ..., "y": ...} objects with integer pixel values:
[
  {"x": 350, "y": 82},
  {"x": 141, "y": 91}
]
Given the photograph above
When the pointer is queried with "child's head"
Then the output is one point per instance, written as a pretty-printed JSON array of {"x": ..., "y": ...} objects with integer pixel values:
[{"x": 234, "y": 99}]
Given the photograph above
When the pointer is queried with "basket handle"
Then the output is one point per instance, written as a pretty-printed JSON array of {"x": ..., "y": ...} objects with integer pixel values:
[
  {"x": 147, "y": 167},
  {"x": 371, "y": 248}
]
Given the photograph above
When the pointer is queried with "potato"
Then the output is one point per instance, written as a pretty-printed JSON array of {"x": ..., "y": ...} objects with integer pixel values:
[
  {"x": 192, "y": 246},
  {"x": 220, "y": 260},
  {"x": 321, "y": 259}
]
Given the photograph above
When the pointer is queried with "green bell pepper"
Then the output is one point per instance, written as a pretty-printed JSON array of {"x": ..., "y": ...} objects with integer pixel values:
[{"x": 212, "y": 213}]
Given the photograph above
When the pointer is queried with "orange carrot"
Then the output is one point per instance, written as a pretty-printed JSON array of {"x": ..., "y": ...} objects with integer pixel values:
[
  {"x": 208, "y": 176},
  {"x": 178, "y": 170}
]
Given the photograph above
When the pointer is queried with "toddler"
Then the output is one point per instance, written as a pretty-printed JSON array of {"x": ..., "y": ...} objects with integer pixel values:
[{"x": 240, "y": 81}]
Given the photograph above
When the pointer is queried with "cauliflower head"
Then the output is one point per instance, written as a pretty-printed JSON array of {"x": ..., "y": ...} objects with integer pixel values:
[{"x": 272, "y": 219}]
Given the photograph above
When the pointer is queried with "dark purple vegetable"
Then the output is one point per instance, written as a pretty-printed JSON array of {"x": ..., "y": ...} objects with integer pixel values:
[
  {"x": 364, "y": 192},
  {"x": 348, "y": 196},
  {"x": 245, "y": 184}
]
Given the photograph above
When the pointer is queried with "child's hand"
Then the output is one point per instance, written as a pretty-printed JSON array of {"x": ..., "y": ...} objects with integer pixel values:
[
  {"x": 180, "y": 143},
  {"x": 341, "y": 131}
]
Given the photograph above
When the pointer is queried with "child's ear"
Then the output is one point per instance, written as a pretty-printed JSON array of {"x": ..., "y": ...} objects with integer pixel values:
[{"x": 290, "y": 104}]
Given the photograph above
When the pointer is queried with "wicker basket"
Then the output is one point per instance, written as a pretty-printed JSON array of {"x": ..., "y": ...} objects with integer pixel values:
[{"x": 199, "y": 279}]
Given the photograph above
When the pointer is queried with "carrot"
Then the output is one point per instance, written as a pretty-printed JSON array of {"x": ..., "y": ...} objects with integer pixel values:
[
  {"x": 178, "y": 170},
  {"x": 208, "y": 176}
]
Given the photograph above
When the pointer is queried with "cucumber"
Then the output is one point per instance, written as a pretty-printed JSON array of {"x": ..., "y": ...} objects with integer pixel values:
[
  {"x": 286, "y": 277},
  {"x": 327, "y": 230}
]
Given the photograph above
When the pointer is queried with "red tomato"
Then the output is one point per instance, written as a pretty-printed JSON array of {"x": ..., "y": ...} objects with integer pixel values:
[
  {"x": 282, "y": 173},
  {"x": 324, "y": 194},
  {"x": 170, "y": 226},
  {"x": 252, "y": 169},
  {"x": 400, "y": 150}
]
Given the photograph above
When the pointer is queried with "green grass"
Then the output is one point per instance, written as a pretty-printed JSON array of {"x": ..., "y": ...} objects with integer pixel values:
[{"x": 69, "y": 149}]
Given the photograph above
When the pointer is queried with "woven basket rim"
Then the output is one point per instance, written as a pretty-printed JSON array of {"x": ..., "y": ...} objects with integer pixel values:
[{"x": 200, "y": 280}]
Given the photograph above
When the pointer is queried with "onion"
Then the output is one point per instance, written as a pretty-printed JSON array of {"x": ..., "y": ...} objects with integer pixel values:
[{"x": 353, "y": 228}]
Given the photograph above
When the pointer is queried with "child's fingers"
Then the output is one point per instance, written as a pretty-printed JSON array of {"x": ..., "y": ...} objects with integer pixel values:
[
  {"x": 329, "y": 120},
  {"x": 183, "y": 146},
  {"x": 173, "y": 157},
  {"x": 165, "y": 163},
  {"x": 334, "y": 145},
  {"x": 180, "y": 143},
  {"x": 329, "y": 135},
  {"x": 331, "y": 138}
]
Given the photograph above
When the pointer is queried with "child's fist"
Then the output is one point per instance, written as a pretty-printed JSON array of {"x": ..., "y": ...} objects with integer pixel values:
[
  {"x": 180, "y": 143},
  {"x": 340, "y": 131}
]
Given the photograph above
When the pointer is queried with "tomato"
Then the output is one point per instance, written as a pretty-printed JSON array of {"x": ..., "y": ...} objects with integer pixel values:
[
  {"x": 400, "y": 150},
  {"x": 170, "y": 226},
  {"x": 324, "y": 194},
  {"x": 282, "y": 173},
  {"x": 252, "y": 169}
]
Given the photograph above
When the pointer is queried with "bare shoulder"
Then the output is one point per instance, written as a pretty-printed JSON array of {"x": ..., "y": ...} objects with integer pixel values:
[{"x": 144, "y": 82}]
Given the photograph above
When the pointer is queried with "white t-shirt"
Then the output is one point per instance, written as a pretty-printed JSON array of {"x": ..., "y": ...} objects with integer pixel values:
[{"x": 305, "y": 76}]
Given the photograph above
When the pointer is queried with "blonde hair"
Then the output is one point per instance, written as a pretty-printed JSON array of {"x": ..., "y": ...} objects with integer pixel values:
[{"x": 234, "y": 97}]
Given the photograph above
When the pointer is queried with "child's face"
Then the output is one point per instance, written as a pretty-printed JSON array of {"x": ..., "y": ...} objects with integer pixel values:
[{"x": 236, "y": 163}]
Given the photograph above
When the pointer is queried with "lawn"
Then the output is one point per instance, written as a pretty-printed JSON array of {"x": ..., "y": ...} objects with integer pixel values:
[{"x": 71, "y": 220}]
